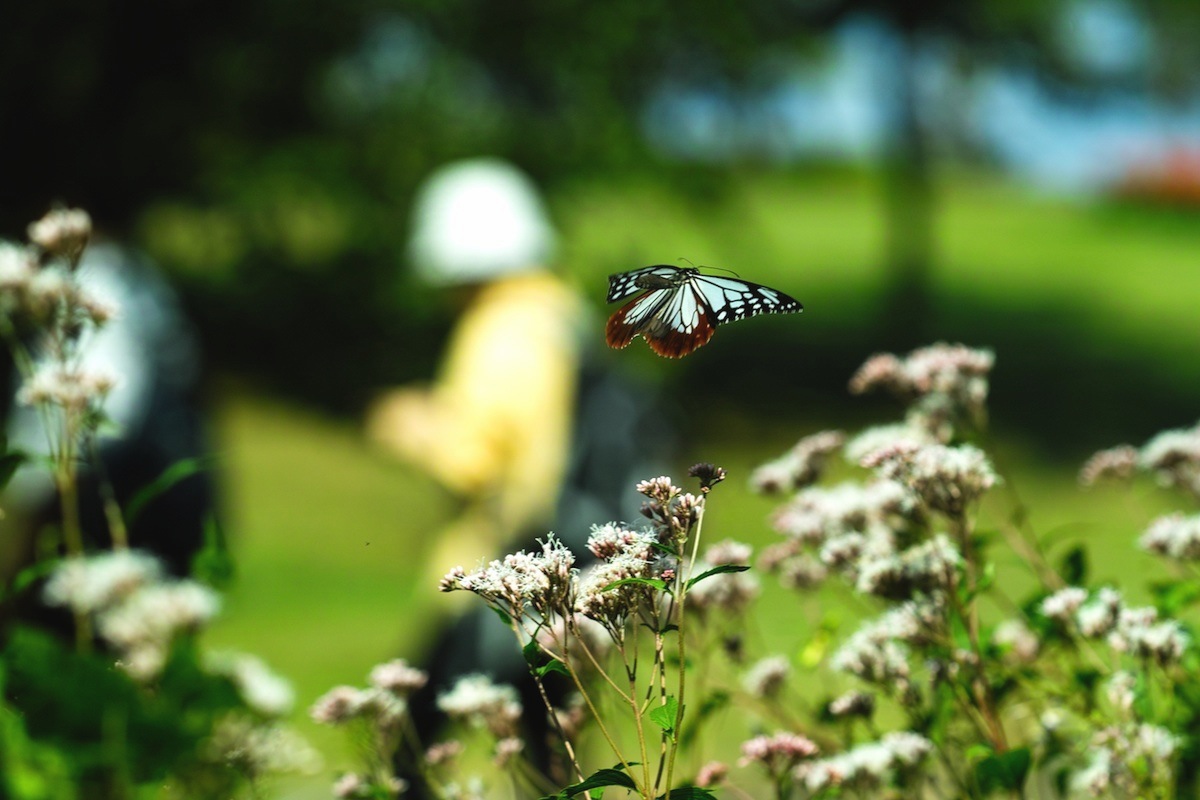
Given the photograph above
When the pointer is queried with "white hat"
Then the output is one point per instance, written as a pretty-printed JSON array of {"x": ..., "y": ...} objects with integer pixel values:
[{"x": 476, "y": 220}]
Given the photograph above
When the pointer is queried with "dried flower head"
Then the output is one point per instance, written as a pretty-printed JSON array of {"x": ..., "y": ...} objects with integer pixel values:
[
  {"x": 398, "y": 677},
  {"x": 709, "y": 475}
]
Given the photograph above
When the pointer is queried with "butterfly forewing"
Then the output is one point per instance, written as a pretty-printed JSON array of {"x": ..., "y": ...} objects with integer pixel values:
[
  {"x": 732, "y": 299},
  {"x": 624, "y": 284}
]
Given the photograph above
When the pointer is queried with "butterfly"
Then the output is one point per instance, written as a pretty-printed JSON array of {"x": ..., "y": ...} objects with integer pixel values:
[{"x": 679, "y": 308}]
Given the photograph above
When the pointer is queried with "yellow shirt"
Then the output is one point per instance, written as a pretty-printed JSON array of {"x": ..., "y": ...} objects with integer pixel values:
[{"x": 496, "y": 424}]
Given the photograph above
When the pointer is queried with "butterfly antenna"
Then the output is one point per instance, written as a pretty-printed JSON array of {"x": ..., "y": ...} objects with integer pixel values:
[
  {"x": 688, "y": 260},
  {"x": 722, "y": 269}
]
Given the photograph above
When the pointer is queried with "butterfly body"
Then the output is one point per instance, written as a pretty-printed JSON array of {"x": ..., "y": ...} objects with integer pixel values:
[{"x": 679, "y": 308}]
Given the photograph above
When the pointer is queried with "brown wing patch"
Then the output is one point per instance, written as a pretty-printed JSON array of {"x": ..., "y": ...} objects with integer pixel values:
[
  {"x": 618, "y": 332},
  {"x": 673, "y": 343}
]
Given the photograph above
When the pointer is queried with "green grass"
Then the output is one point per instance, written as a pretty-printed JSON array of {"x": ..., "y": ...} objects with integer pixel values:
[{"x": 330, "y": 538}]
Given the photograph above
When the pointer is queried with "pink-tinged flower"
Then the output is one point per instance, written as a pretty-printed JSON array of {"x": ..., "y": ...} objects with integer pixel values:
[
  {"x": 712, "y": 774},
  {"x": 1117, "y": 463},
  {"x": 443, "y": 752},
  {"x": 777, "y": 753},
  {"x": 339, "y": 705},
  {"x": 398, "y": 677}
]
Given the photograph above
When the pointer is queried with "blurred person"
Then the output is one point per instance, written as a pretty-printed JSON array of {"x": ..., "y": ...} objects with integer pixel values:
[
  {"x": 524, "y": 422},
  {"x": 156, "y": 422},
  {"x": 494, "y": 426}
]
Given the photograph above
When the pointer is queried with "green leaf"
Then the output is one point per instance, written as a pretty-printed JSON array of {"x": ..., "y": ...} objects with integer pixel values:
[
  {"x": 502, "y": 614},
  {"x": 170, "y": 476},
  {"x": 664, "y": 716},
  {"x": 212, "y": 564},
  {"x": 9, "y": 462},
  {"x": 599, "y": 779},
  {"x": 1073, "y": 566},
  {"x": 716, "y": 571},
  {"x": 1005, "y": 771},
  {"x": 686, "y": 793},
  {"x": 540, "y": 662},
  {"x": 1171, "y": 597}
]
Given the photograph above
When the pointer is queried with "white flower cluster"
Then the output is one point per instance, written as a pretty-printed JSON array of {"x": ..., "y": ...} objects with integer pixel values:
[
  {"x": 1136, "y": 631},
  {"x": 819, "y": 513},
  {"x": 801, "y": 466},
  {"x": 927, "y": 567},
  {"x": 1174, "y": 536},
  {"x": 481, "y": 703},
  {"x": 69, "y": 387},
  {"x": 947, "y": 479},
  {"x": 878, "y": 651},
  {"x": 136, "y": 610},
  {"x": 1172, "y": 456},
  {"x": 868, "y": 766},
  {"x": 1129, "y": 760},
  {"x": 521, "y": 581},
  {"x": 263, "y": 690},
  {"x": 943, "y": 383},
  {"x": 384, "y": 702}
]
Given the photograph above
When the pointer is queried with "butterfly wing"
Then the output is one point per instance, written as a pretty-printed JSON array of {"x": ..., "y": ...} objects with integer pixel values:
[
  {"x": 624, "y": 284},
  {"x": 731, "y": 299},
  {"x": 682, "y": 308},
  {"x": 673, "y": 321}
]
